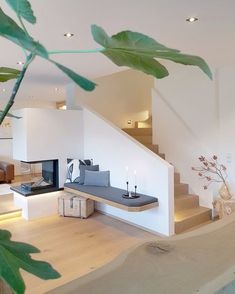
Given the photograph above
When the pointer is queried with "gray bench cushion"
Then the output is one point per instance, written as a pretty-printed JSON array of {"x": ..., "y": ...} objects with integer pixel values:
[{"x": 113, "y": 194}]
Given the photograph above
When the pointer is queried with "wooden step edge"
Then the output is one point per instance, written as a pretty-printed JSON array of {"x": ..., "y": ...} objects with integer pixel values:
[
  {"x": 162, "y": 155},
  {"x": 11, "y": 214},
  {"x": 189, "y": 213},
  {"x": 176, "y": 178},
  {"x": 193, "y": 221},
  {"x": 183, "y": 196},
  {"x": 181, "y": 184},
  {"x": 186, "y": 202},
  {"x": 141, "y": 130}
]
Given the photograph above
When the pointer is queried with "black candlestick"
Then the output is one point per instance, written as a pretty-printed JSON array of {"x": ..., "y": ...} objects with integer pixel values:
[
  {"x": 135, "y": 190},
  {"x": 127, "y": 188}
]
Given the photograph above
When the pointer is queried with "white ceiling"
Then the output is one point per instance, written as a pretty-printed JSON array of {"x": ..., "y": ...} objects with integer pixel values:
[{"x": 212, "y": 37}]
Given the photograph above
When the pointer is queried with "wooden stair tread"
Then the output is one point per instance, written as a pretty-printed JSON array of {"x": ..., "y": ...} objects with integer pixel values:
[
  {"x": 143, "y": 139},
  {"x": 184, "y": 196},
  {"x": 181, "y": 184},
  {"x": 180, "y": 189},
  {"x": 176, "y": 178},
  {"x": 186, "y": 201},
  {"x": 189, "y": 213},
  {"x": 139, "y": 131}
]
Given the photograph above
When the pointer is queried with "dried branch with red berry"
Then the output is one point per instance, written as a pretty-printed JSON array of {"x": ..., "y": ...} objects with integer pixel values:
[{"x": 211, "y": 170}]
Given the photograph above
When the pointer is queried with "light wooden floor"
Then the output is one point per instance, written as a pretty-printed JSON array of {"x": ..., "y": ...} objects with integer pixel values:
[
  {"x": 73, "y": 246},
  {"x": 7, "y": 204}
]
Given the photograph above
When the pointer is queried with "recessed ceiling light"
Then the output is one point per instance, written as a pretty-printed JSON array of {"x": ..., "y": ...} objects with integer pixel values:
[
  {"x": 4, "y": 90},
  {"x": 20, "y": 62},
  {"x": 68, "y": 35},
  {"x": 191, "y": 19}
]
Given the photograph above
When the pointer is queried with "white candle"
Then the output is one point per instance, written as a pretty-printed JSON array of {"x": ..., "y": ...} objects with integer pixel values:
[
  {"x": 135, "y": 178},
  {"x": 127, "y": 173}
]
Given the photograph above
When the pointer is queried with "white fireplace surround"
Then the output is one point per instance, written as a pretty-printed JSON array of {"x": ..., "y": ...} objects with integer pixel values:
[{"x": 45, "y": 134}]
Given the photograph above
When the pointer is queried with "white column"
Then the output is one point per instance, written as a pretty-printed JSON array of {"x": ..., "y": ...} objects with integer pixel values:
[{"x": 72, "y": 102}]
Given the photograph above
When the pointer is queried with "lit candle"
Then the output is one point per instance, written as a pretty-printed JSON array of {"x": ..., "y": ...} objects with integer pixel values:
[
  {"x": 127, "y": 173},
  {"x": 135, "y": 177}
]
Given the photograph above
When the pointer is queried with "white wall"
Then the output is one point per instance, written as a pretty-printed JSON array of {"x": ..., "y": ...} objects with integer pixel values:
[
  {"x": 6, "y": 146},
  {"x": 226, "y": 82},
  {"x": 118, "y": 97},
  {"x": 43, "y": 134},
  {"x": 113, "y": 150},
  {"x": 193, "y": 116}
]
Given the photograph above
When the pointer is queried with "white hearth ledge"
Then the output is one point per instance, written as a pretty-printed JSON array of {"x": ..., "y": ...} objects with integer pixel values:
[{"x": 38, "y": 205}]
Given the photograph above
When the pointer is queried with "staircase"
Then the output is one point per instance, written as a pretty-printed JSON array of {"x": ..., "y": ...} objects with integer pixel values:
[{"x": 188, "y": 213}]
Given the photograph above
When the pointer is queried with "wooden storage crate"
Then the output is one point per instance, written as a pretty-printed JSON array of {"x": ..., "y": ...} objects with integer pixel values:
[{"x": 75, "y": 206}]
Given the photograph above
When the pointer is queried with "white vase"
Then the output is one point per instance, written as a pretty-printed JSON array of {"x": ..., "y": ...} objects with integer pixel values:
[{"x": 224, "y": 192}]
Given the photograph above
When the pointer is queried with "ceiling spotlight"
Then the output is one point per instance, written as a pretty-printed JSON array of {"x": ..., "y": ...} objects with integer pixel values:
[
  {"x": 191, "y": 19},
  {"x": 68, "y": 35},
  {"x": 20, "y": 62},
  {"x": 4, "y": 90}
]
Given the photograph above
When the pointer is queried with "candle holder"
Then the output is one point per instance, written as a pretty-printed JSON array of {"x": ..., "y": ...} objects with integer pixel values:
[
  {"x": 127, "y": 189},
  {"x": 130, "y": 195}
]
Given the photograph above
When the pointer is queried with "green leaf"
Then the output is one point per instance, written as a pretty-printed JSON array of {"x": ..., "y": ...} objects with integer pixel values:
[
  {"x": 186, "y": 60},
  {"x": 128, "y": 40},
  {"x": 10, "y": 30},
  {"x": 139, "y": 51},
  {"x": 9, "y": 115},
  {"x": 7, "y": 74},
  {"x": 81, "y": 81},
  {"x": 5, "y": 235},
  {"x": 23, "y": 9},
  {"x": 145, "y": 64},
  {"x": 16, "y": 255},
  {"x": 9, "y": 271}
]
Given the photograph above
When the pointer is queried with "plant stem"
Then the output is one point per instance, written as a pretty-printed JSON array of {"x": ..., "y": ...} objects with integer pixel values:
[
  {"x": 22, "y": 24},
  {"x": 25, "y": 30},
  {"x": 16, "y": 88},
  {"x": 75, "y": 51}
]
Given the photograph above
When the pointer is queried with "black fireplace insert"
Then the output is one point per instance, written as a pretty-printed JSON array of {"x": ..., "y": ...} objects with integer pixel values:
[{"x": 42, "y": 177}]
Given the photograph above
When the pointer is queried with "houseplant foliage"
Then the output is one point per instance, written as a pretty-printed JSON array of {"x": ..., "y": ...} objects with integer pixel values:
[
  {"x": 16, "y": 255},
  {"x": 127, "y": 48}
]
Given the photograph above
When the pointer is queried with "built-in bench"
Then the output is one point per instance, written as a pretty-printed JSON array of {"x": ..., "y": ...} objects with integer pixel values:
[{"x": 113, "y": 196}]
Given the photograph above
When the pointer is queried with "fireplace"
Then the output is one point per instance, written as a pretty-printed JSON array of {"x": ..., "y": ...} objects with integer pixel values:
[{"x": 40, "y": 177}]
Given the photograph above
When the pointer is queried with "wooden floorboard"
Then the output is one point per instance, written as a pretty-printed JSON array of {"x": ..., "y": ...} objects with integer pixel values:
[
  {"x": 73, "y": 246},
  {"x": 7, "y": 204}
]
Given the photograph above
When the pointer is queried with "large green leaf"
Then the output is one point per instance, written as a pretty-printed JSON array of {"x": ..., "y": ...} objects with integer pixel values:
[
  {"x": 186, "y": 60},
  {"x": 23, "y": 9},
  {"x": 81, "y": 81},
  {"x": 7, "y": 74},
  {"x": 16, "y": 255},
  {"x": 11, "y": 31},
  {"x": 139, "y": 51}
]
